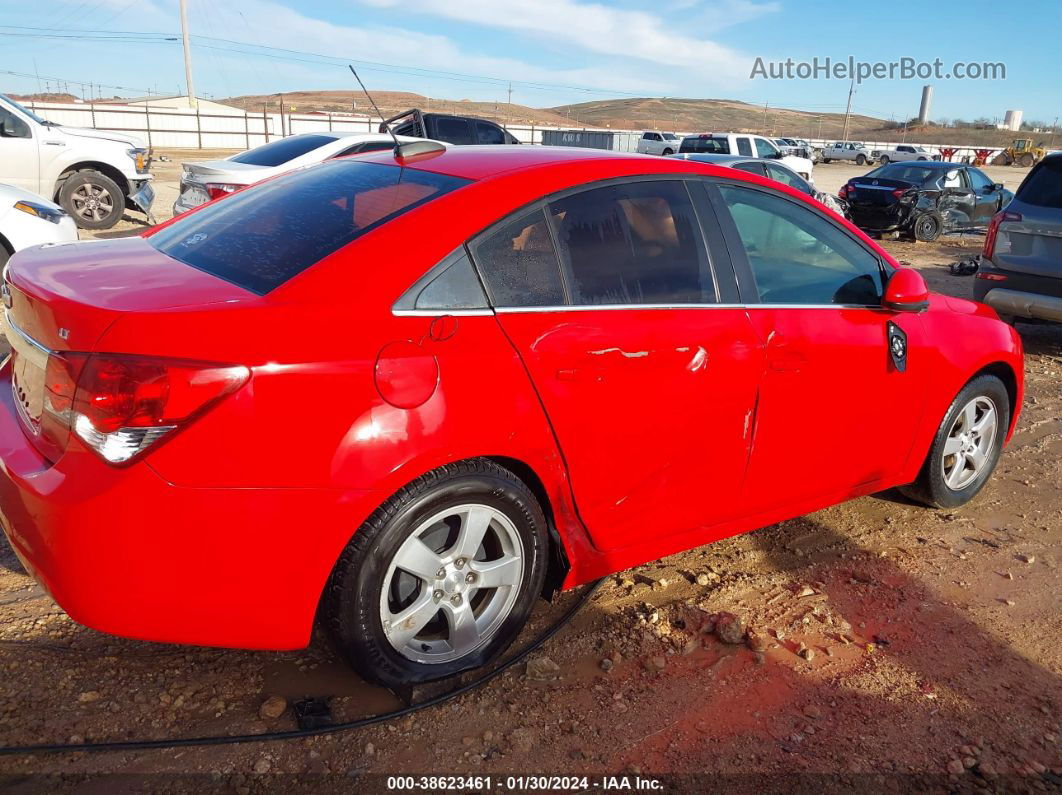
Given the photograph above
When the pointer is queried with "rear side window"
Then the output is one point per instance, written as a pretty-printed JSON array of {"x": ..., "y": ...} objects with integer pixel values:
[
  {"x": 260, "y": 237},
  {"x": 704, "y": 143},
  {"x": 366, "y": 146},
  {"x": 279, "y": 152},
  {"x": 519, "y": 263},
  {"x": 487, "y": 133},
  {"x": 1043, "y": 186},
  {"x": 453, "y": 130},
  {"x": 797, "y": 256},
  {"x": 638, "y": 243}
]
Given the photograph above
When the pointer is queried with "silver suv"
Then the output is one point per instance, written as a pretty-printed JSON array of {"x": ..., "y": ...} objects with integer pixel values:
[{"x": 1021, "y": 267}]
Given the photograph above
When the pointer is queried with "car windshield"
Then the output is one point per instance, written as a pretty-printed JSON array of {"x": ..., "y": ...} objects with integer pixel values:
[
  {"x": 277, "y": 153},
  {"x": 903, "y": 172},
  {"x": 26, "y": 110},
  {"x": 1043, "y": 186},
  {"x": 260, "y": 237},
  {"x": 705, "y": 143}
]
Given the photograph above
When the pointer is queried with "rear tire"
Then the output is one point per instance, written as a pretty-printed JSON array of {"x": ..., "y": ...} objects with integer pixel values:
[
  {"x": 946, "y": 481},
  {"x": 884, "y": 160},
  {"x": 927, "y": 227},
  {"x": 5, "y": 254},
  {"x": 825, "y": 160},
  {"x": 426, "y": 526},
  {"x": 92, "y": 199}
]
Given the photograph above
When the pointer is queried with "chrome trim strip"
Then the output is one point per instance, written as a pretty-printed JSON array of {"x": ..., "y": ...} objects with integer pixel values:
[
  {"x": 11, "y": 325},
  {"x": 511, "y": 310},
  {"x": 442, "y": 312}
]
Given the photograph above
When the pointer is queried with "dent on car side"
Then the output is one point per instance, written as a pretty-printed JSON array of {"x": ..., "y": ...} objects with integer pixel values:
[{"x": 349, "y": 401}]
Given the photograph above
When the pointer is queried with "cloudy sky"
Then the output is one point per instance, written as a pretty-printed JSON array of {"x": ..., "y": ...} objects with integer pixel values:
[{"x": 553, "y": 51}]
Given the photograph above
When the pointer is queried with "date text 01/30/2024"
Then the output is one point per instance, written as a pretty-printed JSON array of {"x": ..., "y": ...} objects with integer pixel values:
[{"x": 620, "y": 783}]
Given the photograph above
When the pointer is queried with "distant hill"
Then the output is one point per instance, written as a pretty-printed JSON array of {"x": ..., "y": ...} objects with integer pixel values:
[
  {"x": 392, "y": 102},
  {"x": 723, "y": 115},
  {"x": 45, "y": 97}
]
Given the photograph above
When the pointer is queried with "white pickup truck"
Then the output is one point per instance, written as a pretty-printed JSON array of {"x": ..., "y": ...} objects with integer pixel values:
[
  {"x": 901, "y": 153},
  {"x": 658, "y": 143},
  {"x": 744, "y": 145},
  {"x": 92, "y": 174},
  {"x": 847, "y": 150}
]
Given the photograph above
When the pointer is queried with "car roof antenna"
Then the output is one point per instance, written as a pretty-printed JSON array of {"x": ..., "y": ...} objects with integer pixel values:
[{"x": 401, "y": 150}]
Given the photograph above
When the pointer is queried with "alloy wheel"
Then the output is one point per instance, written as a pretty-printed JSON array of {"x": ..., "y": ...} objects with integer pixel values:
[
  {"x": 92, "y": 202},
  {"x": 969, "y": 446},
  {"x": 451, "y": 584}
]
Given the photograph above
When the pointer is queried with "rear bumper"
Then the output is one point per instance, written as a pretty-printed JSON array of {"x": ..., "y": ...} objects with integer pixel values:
[
  {"x": 125, "y": 552},
  {"x": 1022, "y": 304}
]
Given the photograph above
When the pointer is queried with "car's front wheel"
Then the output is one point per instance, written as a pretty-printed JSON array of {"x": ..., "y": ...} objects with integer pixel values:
[
  {"x": 860, "y": 160},
  {"x": 93, "y": 199},
  {"x": 441, "y": 578},
  {"x": 966, "y": 447},
  {"x": 668, "y": 152}
]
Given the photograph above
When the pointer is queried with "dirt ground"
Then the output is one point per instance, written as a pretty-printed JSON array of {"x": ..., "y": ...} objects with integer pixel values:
[{"x": 892, "y": 648}]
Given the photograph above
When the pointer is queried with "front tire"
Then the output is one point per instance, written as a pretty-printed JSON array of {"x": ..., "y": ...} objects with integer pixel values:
[
  {"x": 967, "y": 446},
  {"x": 94, "y": 200},
  {"x": 441, "y": 578},
  {"x": 668, "y": 152},
  {"x": 860, "y": 160}
]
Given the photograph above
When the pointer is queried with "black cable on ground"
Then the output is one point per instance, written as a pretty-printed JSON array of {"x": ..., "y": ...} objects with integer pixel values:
[{"x": 294, "y": 734}]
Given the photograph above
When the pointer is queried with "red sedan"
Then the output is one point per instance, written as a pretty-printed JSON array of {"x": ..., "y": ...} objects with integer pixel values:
[{"x": 404, "y": 393}]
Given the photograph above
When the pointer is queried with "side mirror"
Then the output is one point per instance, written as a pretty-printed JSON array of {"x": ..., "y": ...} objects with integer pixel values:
[
  {"x": 998, "y": 186},
  {"x": 906, "y": 292}
]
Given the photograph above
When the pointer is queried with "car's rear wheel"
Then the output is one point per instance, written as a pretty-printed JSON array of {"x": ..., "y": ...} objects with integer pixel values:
[
  {"x": 441, "y": 578},
  {"x": 884, "y": 160},
  {"x": 927, "y": 227},
  {"x": 825, "y": 160},
  {"x": 966, "y": 447}
]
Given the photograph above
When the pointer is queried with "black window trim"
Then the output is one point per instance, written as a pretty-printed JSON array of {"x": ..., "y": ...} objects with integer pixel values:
[
  {"x": 405, "y": 306},
  {"x": 743, "y": 268},
  {"x": 717, "y": 255}
]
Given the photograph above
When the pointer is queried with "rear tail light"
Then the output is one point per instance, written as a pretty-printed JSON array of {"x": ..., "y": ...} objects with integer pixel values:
[
  {"x": 216, "y": 189},
  {"x": 992, "y": 277},
  {"x": 993, "y": 242},
  {"x": 121, "y": 405},
  {"x": 899, "y": 192},
  {"x": 844, "y": 191}
]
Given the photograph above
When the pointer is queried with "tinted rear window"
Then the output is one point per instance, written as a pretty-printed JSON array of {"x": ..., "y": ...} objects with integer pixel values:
[
  {"x": 903, "y": 172},
  {"x": 1043, "y": 186},
  {"x": 260, "y": 237},
  {"x": 715, "y": 146},
  {"x": 279, "y": 152}
]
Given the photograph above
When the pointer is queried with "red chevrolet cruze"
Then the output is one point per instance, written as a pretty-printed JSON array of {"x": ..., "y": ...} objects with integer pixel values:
[{"x": 400, "y": 392}]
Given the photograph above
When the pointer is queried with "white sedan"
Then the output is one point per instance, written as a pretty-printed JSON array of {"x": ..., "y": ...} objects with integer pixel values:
[
  {"x": 203, "y": 182},
  {"x": 28, "y": 220}
]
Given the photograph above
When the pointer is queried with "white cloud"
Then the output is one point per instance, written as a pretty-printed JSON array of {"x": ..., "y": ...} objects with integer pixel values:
[{"x": 605, "y": 30}]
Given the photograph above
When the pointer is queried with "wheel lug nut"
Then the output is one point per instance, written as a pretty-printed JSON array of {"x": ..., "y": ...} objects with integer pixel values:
[
  {"x": 438, "y": 595},
  {"x": 455, "y": 599},
  {"x": 459, "y": 563},
  {"x": 440, "y": 573},
  {"x": 470, "y": 577}
]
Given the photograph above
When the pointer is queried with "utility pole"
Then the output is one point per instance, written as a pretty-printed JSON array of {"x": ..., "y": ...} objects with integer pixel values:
[
  {"x": 848, "y": 110},
  {"x": 765, "y": 118},
  {"x": 509, "y": 108},
  {"x": 192, "y": 101},
  {"x": 1054, "y": 124}
]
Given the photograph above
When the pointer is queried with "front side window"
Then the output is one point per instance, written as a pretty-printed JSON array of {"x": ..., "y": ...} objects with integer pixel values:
[
  {"x": 276, "y": 153},
  {"x": 635, "y": 243},
  {"x": 519, "y": 263},
  {"x": 260, "y": 237},
  {"x": 978, "y": 180},
  {"x": 764, "y": 148},
  {"x": 799, "y": 257},
  {"x": 11, "y": 126}
]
